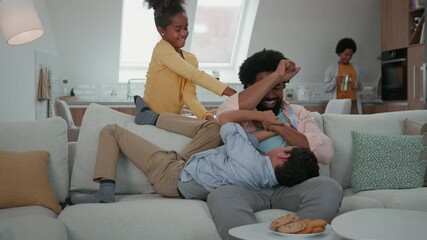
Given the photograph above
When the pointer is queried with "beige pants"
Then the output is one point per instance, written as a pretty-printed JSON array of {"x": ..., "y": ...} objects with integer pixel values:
[{"x": 160, "y": 166}]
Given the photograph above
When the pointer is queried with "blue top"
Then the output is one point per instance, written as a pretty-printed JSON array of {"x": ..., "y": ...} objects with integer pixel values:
[
  {"x": 237, "y": 162},
  {"x": 275, "y": 141}
]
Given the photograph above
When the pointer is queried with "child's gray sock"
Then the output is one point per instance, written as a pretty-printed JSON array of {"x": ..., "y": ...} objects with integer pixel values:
[
  {"x": 106, "y": 194},
  {"x": 144, "y": 115}
]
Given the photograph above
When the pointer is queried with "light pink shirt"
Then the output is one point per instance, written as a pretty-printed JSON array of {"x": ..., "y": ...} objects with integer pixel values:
[{"x": 320, "y": 144}]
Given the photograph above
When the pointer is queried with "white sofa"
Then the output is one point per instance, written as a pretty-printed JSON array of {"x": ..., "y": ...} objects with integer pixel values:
[{"x": 141, "y": 214}]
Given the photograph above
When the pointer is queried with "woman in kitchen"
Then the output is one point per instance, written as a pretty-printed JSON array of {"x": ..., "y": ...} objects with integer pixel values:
[
  {"x": 173, "y": 72},
  {"x": 342, "y": 79}
]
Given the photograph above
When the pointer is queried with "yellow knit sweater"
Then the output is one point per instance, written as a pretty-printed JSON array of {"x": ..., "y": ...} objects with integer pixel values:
[{"x": 171, "y": 82}]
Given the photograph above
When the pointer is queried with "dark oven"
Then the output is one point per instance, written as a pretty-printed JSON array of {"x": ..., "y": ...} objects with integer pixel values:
[{"x": 394, "y": 75}]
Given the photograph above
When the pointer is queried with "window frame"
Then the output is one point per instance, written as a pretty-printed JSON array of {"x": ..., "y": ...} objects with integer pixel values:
[{"x": 228, "y": 71}]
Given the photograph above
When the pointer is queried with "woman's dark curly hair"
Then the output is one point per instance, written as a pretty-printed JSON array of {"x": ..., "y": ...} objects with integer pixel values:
[
  {"x": 164, "y": 10},
  {"x": 263, "y": 61},
  {"x": 345, "y": 43},
  {"x": 301, "y": 165}
]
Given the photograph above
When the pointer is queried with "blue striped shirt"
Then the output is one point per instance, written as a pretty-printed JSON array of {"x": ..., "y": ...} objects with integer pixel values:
[{"x": 237, "y": 162}]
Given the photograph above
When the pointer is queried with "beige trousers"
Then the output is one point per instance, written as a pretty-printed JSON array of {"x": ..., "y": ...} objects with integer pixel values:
[{"x": 160, "y": 166}]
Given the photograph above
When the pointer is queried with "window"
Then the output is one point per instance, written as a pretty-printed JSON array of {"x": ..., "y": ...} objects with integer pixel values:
[
  {"x": 219, "y": 35},
  {"x": 216, "y": 25}
]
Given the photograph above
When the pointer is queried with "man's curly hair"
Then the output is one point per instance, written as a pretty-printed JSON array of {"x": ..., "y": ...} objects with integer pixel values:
[
  {"x": 263, "y": 61},
  {"x": 164, "y": 10},
  {"x": 301, "y": 165},
  {"x": 345, "y": 43}
]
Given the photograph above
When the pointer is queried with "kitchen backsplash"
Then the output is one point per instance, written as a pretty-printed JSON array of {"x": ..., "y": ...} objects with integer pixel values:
[{"x": 123, "y": 92}]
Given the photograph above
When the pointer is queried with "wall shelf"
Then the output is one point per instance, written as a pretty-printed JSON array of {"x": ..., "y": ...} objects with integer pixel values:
[{"x": 416, "y": 25}]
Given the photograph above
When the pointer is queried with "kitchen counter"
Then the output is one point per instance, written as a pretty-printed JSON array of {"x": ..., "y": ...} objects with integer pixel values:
[
  {"x": 78, "y": 108},
  {"x": 123, "y": 104},
  {"x": 324, "y": 102},
  {"x": 126, "y": 104}
]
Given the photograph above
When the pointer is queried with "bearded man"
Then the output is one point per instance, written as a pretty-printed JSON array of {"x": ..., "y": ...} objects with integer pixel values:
[{"x": 264, "y": 76}]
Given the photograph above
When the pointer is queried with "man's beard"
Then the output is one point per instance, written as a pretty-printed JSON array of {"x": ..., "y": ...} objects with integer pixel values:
[{"x": 276, "y": 108}]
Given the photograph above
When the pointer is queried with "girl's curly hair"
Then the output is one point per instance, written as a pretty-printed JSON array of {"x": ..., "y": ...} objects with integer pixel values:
[{"x": 164, "y": 10}]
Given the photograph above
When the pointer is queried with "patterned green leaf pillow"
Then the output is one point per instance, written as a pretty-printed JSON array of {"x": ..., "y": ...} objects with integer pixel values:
[{"x": 386, "y": 162}]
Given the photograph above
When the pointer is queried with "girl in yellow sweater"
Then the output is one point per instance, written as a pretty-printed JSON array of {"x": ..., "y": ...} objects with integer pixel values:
[{"x": 173, "y": 72}]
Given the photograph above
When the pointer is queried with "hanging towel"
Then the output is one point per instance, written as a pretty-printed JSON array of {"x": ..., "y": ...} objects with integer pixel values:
[{"x": 43, "y": 89}]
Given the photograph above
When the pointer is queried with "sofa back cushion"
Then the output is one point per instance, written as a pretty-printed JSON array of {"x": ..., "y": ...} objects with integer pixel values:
[
  {"x": 130, "y": 180},
  {"x": 339, "y": 127},
  {"x": 42, "y": 135},
  {"x": 323, "y": 168}
]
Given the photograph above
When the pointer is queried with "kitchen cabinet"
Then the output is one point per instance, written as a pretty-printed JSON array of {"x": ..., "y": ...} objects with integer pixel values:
[
  {"x": 316, "y": 108},
  {"x": 416, "y": 83},
  {"x": 372, "y": 108},
  {"x": 394, "y": 24}
]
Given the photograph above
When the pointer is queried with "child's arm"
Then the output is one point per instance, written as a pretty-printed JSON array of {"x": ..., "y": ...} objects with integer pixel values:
[
  {"x": 190, "y": 99},
  {"x": 246, "y": 115},
  {"x": 261, "y": 135},
  {"x": 291, "y": 135}
]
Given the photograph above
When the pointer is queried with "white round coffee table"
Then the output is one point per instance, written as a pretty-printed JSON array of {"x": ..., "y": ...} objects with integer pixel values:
[
  {"x": 380, "y": 223},
  {"x": 261, "y": 231}
]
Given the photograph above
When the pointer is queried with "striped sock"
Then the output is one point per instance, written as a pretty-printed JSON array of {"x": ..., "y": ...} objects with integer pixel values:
[{"x": 144, "y": 115}]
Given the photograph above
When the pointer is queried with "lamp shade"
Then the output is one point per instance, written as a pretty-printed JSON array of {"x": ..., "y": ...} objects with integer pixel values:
[{"x": 19, "y": 21}]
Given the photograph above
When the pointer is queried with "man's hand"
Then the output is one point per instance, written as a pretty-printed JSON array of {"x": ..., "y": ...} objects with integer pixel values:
[
  {"x": 267, "y": 116},
  {"x": 264, "y": 118},
  {"x": 286, "y": 70},
  {"x": 271, "y": 125}
]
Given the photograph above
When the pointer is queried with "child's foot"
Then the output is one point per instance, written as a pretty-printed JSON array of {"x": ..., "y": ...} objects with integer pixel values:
[
  {"x": 106, "y": 194},
  {"x": 144, "y": 115}
]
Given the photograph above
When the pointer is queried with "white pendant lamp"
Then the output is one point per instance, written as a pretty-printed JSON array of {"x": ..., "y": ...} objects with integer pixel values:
[{"x": 19, "y": 21}]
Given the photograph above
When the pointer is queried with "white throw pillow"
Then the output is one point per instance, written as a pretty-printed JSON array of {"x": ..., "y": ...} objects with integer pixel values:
[{"x": 130, "y": 180}]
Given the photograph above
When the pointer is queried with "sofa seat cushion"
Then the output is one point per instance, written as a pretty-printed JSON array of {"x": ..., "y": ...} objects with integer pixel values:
[
  {"x": 410, "y": 199},
  {"x": 351, "y": 203},
  {"x": 32, "y": 227},
  {"x": 27, "y": 211},
  {"x": 142, "y": 216},
  {"x": 130, "y": 180}
]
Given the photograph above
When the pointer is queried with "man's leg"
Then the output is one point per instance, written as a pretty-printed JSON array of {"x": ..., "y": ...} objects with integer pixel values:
[
  {"x": 160, "y": 166},
  {"x": 204, "y": 133},
  {"x": 232, "y": 206},
  {"x": 318, "y": 197}
]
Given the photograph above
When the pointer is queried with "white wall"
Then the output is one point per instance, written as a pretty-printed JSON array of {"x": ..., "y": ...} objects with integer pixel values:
[
  {"x": 307, "y": 32},
  {"x": 88, "y": 39},
  {"x": 84, "y": 36},
  {"x": 18, "y": 72}
]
